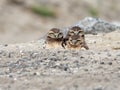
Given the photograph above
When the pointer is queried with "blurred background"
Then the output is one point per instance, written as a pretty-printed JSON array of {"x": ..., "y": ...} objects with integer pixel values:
[{"x": 27, "y": 20}]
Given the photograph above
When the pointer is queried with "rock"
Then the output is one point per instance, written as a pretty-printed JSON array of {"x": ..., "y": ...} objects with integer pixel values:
[
  {"x": 5, "y": 45},
  {"x": 98, "y": 88},
  {"x": 110, "y": 63},
  {"x": 102, "y": 63},
  {"x": 96, "y": 25}
]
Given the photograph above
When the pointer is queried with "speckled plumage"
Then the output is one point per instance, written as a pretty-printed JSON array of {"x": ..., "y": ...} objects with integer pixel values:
[
  {"x": 74, "y": 33},
  {"x": 75, "y": 42},
  {"x": 54, "y": 38}
]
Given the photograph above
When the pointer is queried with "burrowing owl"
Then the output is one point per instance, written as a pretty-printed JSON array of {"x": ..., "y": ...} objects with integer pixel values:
[
  {"x": 74, "y": 31},
  {"x": 54, "y": 38},
  {"x": 75, "y": 42}
]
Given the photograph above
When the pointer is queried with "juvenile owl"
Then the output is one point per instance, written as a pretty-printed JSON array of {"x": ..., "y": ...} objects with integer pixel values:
[
  {"x": 72, "y": 34},
  {"x": 54, "y": 38},
  {"x": 75, "y": 42}
]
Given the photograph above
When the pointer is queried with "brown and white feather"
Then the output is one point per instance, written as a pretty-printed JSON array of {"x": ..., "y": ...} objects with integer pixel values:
[{"x": 54, "y": 38}]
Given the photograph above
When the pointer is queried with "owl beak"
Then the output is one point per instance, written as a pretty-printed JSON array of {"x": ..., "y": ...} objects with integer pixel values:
[
  {"x": 56, "y": 35},
  {"x": 74, "y": 42},
  {"x": 76, "y": 33}
]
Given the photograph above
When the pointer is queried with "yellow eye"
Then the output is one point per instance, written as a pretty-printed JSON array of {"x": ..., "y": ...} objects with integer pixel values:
[
  {"x": 50, "y": 33},
  {"x": 71, "y": 33},
  {"x": 80, "y": 32}
]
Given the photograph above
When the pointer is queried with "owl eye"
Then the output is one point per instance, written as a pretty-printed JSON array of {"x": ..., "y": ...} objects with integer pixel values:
[
  {"x": 60, "y": 33},
  {"x": 82, "y": 35},
  {"x": 50, "y": 33},
  {"x": 80, "y": 31},
  {"x": 72, "y": 33},
  {"x": 78, "y": 40}
]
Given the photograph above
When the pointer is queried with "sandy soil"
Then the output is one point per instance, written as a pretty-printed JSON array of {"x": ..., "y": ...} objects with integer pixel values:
[{"x": 27, "y": 66}]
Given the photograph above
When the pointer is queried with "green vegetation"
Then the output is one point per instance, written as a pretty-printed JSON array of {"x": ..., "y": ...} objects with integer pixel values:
[
  {"x": 113, "y": 7},
  {"x": 43, "y": 11},
  {"x": 93, "y": 12}
]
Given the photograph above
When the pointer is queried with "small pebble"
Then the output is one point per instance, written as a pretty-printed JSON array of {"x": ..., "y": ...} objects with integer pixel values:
[
  {"x": 5, "y": 45},
  {"x": 102, "y": 63},
  {"x": 108, "y": 54},
  {"x": 15, "y": 79},
  {"x": 98, "y": 88},
  {"x": 65, "y": 68},
  {"x": 11, "y": 76},
  {"x": 34, "y": 55},
  {"x": 85, "y": 69},
  {"x": 81, "y": 57},
  {"x": 36, "y": 73},
  {"x": 110, "y": 63},
  {"x": 119, "y": 68}
]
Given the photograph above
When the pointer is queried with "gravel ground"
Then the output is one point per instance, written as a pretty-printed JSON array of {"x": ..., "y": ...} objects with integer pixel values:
[{"x": 28, "y": 66}]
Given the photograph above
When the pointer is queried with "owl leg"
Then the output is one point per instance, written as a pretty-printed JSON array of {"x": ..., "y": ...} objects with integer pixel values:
[
  {"x": 64, "y": 43},
  {"x": 85, "y": 46}
]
